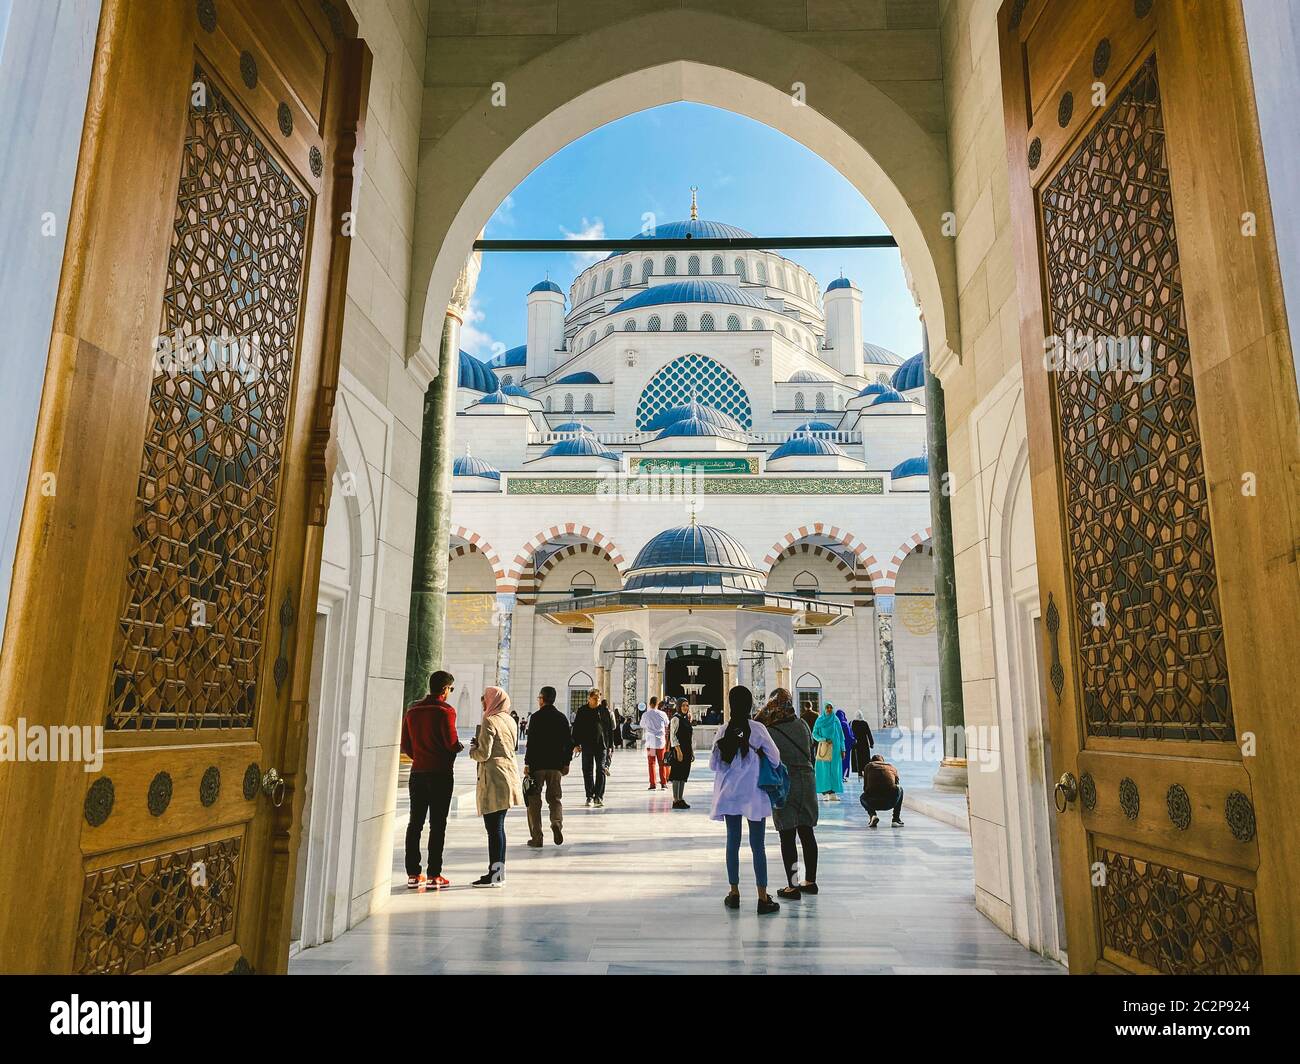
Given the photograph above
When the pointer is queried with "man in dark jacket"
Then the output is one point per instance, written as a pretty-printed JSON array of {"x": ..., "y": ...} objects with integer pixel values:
[
  {"x": 593, "y": 729},
  {"x": 880, "y": 790},
  {"x": 429, "y": 740},
  {"x": 546, "y": 760}
]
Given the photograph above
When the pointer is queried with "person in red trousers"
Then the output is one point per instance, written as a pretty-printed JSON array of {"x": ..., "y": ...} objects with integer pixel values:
[{"x": 654, "y": 729}]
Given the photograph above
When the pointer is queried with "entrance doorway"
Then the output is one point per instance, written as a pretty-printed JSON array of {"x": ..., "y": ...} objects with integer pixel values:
[{"x": 677, "y": 675}]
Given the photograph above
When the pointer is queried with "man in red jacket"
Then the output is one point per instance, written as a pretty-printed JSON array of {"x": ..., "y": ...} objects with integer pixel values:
[{"x": 429, "y": 740}]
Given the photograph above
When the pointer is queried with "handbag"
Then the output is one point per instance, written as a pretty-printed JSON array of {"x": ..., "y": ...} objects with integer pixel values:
[
  {"x": 531, "y": 786},
  {"x": 774, "y": 780},
  {"x": 825, "y": 750},
  {"x": 670, "y": 757}
]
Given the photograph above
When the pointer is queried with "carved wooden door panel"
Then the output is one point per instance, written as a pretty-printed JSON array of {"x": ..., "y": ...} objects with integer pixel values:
[
  {"x": 170, "y": 585},
  {"x": 1153, "y": 345}
]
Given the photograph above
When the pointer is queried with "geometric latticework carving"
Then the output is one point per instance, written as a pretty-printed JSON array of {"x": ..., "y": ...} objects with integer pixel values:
[
  {"x": 189, "y": 643},
  {"x": 136, "y": 915},
  {"x": 1153, "y": 663},
  {"x": 1177, "y": 922},
  {"x": 698, "y": 377}
]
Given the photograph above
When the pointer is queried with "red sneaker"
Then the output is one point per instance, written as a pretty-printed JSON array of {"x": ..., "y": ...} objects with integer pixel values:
[
  {"x": 414, "y": 882},
  {"x": 438, "y": 882}
]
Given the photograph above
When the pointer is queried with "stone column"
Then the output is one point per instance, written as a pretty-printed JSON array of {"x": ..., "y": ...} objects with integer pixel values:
[
  {"x": 505, "y": 615},
  {"x": 952, "y": 770},
  {"x": 601, "y": 681},
  {"x": 428, "y": 613},
  {"x": 652, "y": 676},
  {"x": 885, "y": 640}
]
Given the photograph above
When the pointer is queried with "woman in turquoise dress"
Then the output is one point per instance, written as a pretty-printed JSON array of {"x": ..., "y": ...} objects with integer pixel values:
[{"x": 830, "y": 780}]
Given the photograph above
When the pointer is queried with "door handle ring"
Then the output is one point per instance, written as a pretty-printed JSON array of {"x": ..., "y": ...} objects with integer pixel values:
[
  {"x": 1065, "y": 791},
  {"x": 273, "y": 786}
]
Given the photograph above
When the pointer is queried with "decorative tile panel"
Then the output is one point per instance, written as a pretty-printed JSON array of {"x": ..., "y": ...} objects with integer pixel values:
[
  {"x": 697, "y": 377},
  {"x": 711, "y": 485}
]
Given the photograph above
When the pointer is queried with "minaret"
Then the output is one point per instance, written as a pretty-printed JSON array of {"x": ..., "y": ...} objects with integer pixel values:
[
  {"x": 843, "y": 303},
  {"x": 545, "y": 328}
]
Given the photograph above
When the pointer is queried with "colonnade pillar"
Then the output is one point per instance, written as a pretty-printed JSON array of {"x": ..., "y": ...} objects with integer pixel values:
[{"x": 885, "y": 641}]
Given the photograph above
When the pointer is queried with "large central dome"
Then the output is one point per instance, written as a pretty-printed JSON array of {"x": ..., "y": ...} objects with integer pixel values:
[
  {"x": 694, "y": 229},
  {"x": 694, "y": 559}
]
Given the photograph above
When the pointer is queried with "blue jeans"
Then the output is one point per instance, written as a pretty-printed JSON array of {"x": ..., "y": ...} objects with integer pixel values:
[
  {"x": 496, "y": 833},
  {"x": 756, "y": 830}
]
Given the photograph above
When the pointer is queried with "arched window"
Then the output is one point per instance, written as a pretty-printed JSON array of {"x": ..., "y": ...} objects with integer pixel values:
[
  {"x": 591, "y": 337},
  {"x": 780, "y": 328},
  {"x": 693, "y": 266},
  {"x": 568, "y": 404},
  {"x": 762, "y": 273},
  {"x": 587, "y": 401},
  {"x": 706, "y": 323},
  {"x": 627, "y": 275},
  {"x": 629, "y": 325},
  {"x": 820, "y": 402},
  {"x": 839, "y": 402},
  {"x": 670, "y": 266},
  {"x": 806, "y": 585},
  {"x": 679, "y": 323},
  {"x": 716, "y": 265},
  {"x": 647, "y": 268},
  {"x": 756, "y": 325},
  {"x": 609, "y": 280},
  {"x": 508, "y": 379},
  {"x": 733, "y": 323},
  {"x": 740, "y": 268},
  {"x": 693, "y": 376},
  {"x": 653, "y": 325},
  {"x": 798, "y": 400},
  {"x": 583, "y": 583},
  {"x": 609, "y": 328}
]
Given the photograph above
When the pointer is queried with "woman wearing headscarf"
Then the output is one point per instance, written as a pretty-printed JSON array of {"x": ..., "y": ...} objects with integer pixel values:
[
  {"x": 798, "y": 816},
  {"x": 498, "y": 788},
  {"x": 680, "y": 741},
  {"x": 737, "y": 795},
  {"x": 849, "y": 743},
  {"x": 863, "y": 744},
  {"x": 830, "y": 752}
]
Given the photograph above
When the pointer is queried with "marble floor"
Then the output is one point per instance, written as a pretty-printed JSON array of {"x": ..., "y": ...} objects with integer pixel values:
[{"x": 637, "y": 888}]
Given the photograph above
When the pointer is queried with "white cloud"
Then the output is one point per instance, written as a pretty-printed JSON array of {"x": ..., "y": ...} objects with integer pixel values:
[
  {"x": 504, "y": 215},
  {"x": 478, "y": 342},
  {"x": 589, "y": 231}
]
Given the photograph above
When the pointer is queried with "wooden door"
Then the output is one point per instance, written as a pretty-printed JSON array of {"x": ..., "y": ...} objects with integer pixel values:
[
  {"x": 165, "y": 590},
  {"x": 1164, "y": 503}
]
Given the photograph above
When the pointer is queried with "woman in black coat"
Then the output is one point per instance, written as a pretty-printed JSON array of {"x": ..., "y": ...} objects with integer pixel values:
[{"x": 861, "y": 752}]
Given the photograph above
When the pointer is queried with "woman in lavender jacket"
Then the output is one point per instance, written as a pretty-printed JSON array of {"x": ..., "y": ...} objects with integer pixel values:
[{"x": 737, "y": 795}]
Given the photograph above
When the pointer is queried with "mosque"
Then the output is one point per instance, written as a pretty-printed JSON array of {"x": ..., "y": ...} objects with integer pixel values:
[{"x": 695, "y": 460}]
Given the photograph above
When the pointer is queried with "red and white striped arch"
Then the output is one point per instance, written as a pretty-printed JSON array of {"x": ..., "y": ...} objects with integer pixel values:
[
  {"x": 866, "y": 561},
  {"x": 916, "y": 539},
  {"x": 523, "y": 559},
  {"x": 475, "y": 542}
]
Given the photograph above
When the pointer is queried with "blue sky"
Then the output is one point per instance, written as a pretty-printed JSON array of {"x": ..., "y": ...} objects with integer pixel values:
[{"x": 748, "y": 174}]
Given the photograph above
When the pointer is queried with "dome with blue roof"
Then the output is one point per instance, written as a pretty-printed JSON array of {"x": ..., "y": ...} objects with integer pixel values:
[
  {"x": 889, "y": 395},
  {"x": 515, "y": 389},
  {"x": 581, "y": 377},
  {"x": 807, "y": 376},
  {"x": 692, "y": 292},
  {"x": 694, "y": 229},
  {"x": 475, "y": 375},
  {"x": 911, "y": 374},
  {"x": 694, "y": 559},
  {"x": 572, "y": 426},
  {"x": 498, "y": 398},
  {"x": 803, "y": 445},
  {"x": 697, "y": 411},
  {"x": 583, "y": 445},
  {"x": 469, "y": 466},
  {"x": 912, "y": 467},
  {"x": 698, "y": 426},
  {"x": 546, "y": 286},
  {"x": 875, "y": 388},
  {"x": 816, "y": 426},
  {"x": 516, "y": 356},
  {"x": 876, "y": 355},
  {"x": 838, "y": 283}
]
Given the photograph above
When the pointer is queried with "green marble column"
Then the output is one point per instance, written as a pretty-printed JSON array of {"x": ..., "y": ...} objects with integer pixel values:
[
  {"x": 952, "y": 772},
  {"x": 424, "y": 637}
]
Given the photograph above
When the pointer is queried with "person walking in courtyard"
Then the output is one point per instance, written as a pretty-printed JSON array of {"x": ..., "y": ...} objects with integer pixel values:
[
  {"x": 864, "y": 741},
  {"x": 737, "y": 795},
  {"x": 798, "y": 816},
  {"x": 846, "y": 765},
  {"x": 546, "y": 761},
  {"x": 680, "y": 729},
  {"x": 830, "y": 752},
  {"x": 498, "y": 785},
  {"x": 654, "y": 729},
  {"x": 881, "y": 790},
  {"x": 591, "y": 739},
  {"x": 808, "y": 715},
  {"x": 429, "y": 739}
]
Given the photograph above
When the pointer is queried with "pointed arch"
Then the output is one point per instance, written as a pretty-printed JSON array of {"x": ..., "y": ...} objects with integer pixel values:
[
  {"x": 916, "y": 539},
  {"x": 866, "y": 562},
  {"x": 478, "y": 543},
  {"x": 516, "y": 572}
]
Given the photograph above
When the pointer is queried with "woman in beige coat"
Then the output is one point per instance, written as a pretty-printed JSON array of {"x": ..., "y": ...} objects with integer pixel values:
[{"x": 493, "y": 747}]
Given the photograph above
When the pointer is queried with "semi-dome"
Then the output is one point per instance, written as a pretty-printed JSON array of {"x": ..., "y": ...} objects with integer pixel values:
[
  {"x": 694, "y": 559},
  {"x": 692, "y": 292},
  {"x": 572, "y": 426},
  {"x": 889, "y": 395},
  {"x": 516, "y": 356},
  {"x": 499, "y": 398},
  {"x": 698, "y": 426},
  {"x": 475, "y": 375},
  {"x": 583, "y": 445},
  {"x": 807, "y": 376},
  {"x": 912, "y": 467},
  {"x": 816, "y": 426},
  {"x": 695, "y": 410},
  {"x": 584, "y": 376},
  {"x": 911, "y": 374},
  {"x": 546, "y": 286},
  {"x": 879, "y": 356},
  {"x": 804, "y": 445},
  {"x": 515, "y": 389},
  {"x": 875, "y": 388},
  {"x": 469, "y": 466},
  {"x": 838, "y": 283}
]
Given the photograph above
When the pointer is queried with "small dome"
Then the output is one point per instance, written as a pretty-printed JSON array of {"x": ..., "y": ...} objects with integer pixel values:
[
  {"x": 692, "y": 292},
  {"x": 879, "y": 356},
  {"x": 800, "y": 446},
  {"x": 469, "y": 466},
  {"x": 582, "y": 445},
  {"x": 694, "y": 410},
  {"x": 816, "y": 426},
  {"x": 913, "y": 467},
  {"x": 497, "y": 398},
  {"x": 911, "y": 374},
  {"x": 515, "y": 389},
  {"x": 475, "y": 375},
  {"x": 875, "y": 388},
  {"x": 838, "y": 283},
  {"x": 807, "y": 376},
  {"x": 889, "y": 395},
  {"x": 572, "y": 426},
  {"x": 698, "y": 426},
  {"x": 516, "y": 356},
  {"x": 546, "y": 286},
  {"x": 693, "y": 558},
  {"x": 581, "y": 377}
]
